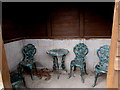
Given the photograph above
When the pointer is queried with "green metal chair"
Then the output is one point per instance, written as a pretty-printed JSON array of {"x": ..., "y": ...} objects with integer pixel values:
[
  {"x": 28, "y": 62},
  {"x": 80, "y": 51},
  {"x": 102, "y": 66},
  {"x": 16, "y": 79}
]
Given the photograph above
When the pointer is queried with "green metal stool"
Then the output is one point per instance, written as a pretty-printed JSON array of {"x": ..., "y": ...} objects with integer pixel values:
[{"x": 80, "y": 51}]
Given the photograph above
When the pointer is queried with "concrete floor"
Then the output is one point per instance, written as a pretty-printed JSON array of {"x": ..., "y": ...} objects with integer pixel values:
[{"x": 63, "y": 82}]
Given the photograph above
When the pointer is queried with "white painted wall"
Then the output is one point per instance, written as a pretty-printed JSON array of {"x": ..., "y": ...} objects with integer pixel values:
[{"x": 13, "y": 51}]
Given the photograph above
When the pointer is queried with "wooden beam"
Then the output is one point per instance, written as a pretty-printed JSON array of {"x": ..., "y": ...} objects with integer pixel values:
[
  {"x": 112, "y": 76},
  {"x": 4, "y": 70},
  {"x": 1, "y": 81}
]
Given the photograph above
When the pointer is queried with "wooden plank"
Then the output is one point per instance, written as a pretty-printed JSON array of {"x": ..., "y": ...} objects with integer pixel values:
[
  {"x": 119, "y": 34},
  {"x": 112, "y": 76},
  {"x": 118, "y": 49},
  {"x": 117, "y": 60},
  {"x": 117, "y": 63},
  {"x": 4, "y": 70},
  {"x": 1, "y": 81}
]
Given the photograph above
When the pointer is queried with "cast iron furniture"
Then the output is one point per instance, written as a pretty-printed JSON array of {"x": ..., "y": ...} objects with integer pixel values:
[
  {"x": 28, "y": 62},
  {"x": 102, "y": 66},
  {"x": 55, "y": 53},
  {"x": 80, "y": 51},
  {"x": 16, "y": 79}
]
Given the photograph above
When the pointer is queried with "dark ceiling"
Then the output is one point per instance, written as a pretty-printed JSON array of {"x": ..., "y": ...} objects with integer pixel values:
[{"x": 33, "y": 12}]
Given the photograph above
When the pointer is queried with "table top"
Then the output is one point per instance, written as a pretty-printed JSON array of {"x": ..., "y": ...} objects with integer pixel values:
[{"x": 57, "y": 52}]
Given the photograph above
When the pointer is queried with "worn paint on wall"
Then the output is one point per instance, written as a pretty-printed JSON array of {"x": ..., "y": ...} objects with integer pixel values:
[{"x": 13, "y": 51}]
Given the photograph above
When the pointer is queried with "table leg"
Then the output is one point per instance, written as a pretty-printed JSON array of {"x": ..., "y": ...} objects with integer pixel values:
[
  {"x": 63, "y": 63},
  {"x": 56, "y": 65}
]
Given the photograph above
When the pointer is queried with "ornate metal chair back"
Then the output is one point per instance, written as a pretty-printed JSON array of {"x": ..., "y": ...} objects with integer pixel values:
[
  {"x": 80, "y": 51},
  {"x": 103, "y": 54},
  {"x": 28, "y": 52}
]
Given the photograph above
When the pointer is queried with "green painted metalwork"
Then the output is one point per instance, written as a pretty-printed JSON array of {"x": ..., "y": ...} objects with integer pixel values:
[
  {"x": 16, "y": 79},
  {"x": 80, "y": 51},
  {"x": 28, "y": 61},
  {"x": 102, "y": 66},
  {"x": 55, "y": 53}
]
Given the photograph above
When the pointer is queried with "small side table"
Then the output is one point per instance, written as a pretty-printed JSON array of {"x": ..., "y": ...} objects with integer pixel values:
[{"x": 55, "y": 53}]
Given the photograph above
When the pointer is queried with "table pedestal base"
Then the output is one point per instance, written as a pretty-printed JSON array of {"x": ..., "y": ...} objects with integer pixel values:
[{"x": 56, "y": 64}]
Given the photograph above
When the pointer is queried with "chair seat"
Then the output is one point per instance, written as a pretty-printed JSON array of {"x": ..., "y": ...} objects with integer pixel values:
[
  {"x": 77, "y": 62},
  {"x": 16, "y": 78},
  {"x": 101, "y": 69},
  {"x": 14, "y": 84},
  {"x": 28, "y": 63}
]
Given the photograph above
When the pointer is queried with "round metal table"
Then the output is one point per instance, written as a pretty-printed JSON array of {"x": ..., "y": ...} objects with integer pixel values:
[{"x": 55, "y": 53}]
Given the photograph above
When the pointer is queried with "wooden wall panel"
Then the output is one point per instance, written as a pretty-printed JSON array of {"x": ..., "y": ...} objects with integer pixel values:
[
  {"x": 93, "y": 22},
  {"x": 96, "y": 24},
  {"x": 57, "y": 20},
  {"x": 11, "y": 30},
  {"x": 65, "y": 22},
  {"x": 39, "y": 31}
]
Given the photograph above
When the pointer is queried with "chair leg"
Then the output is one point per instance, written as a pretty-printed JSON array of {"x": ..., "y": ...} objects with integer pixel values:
[
  {"x": 20, "y": 69},
  {"x": 57, "y": 68},
  {"x": 24, "y": 82},
  {"x": 35, "y": 67},
  {"x": 81, "y": 74},
  {"x": 54, "y": 63},
  {"x": 70, "y": 71},
  {"x": 96, "y": 76},
  {"x": 15, "y": 87},
  {"x": 30, "y": 70},
  {"x": 74, "y": 68},
  {"x": 85, "y": 69},
  {"x": 63, "y": 63}
]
